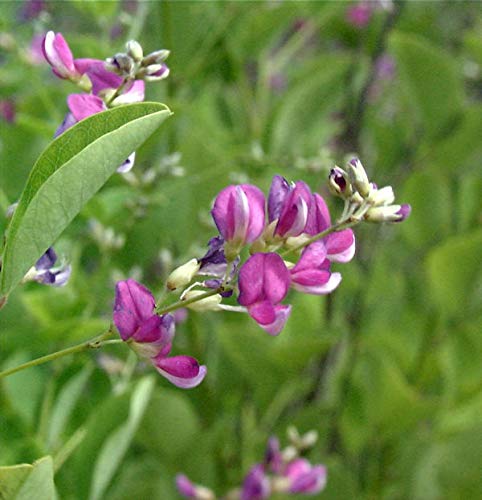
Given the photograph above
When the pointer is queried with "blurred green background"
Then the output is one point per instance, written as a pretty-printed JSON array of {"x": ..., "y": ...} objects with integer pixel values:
[{"x": 387, "y": 369}]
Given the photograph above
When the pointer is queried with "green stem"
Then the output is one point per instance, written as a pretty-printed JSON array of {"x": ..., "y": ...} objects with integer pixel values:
[
  {"x": 94, "y": 343},
  {"x": 118, "y": 92},
  {"x": 183, "y": 303}
]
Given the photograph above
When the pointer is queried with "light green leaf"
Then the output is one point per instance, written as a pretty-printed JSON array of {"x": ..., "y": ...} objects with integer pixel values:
[
  {"x": 67, "y": 174},
  {"x": 434, "y": 87},
  {"x": 65, "y": 404},
  {"x": 25, "y": 481},
  {"x": 117, "y": 444}
]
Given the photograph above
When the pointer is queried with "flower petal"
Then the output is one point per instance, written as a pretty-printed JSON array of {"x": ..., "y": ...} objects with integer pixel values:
[
  {"x": 84, "y": 105},
  {"x": 340, "y": 246},
  {"x": 282, "y": 314},
  {"x": 323, "y": 287},
  {"x": 182, "y": 371}
]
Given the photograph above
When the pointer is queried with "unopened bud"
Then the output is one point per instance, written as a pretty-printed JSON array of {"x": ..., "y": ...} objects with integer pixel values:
[
  {"x": 134, "y": 49},
  {"x": 208, "y": 304},
  {"x": 123, "y": 62},
  {"x": 339, "y": 183},
  {"x": 289, "y": 454},
  {"x": 309, "y": 439},
  {"x": 383, "y": 196},
  {"x": 389, "y": 213},
  {"x": 183, "y": 275},
  {"x": 156, "y": 57},
  {"x": 358, "y": 177}
]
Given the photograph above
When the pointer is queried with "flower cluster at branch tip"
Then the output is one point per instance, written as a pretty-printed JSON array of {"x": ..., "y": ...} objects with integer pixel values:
[
  {"x": 292, "y": 245},
  {"x": 282, "y": 471},
  {"x": 119, "y": 80},
  {"x": 151, "y": 335}
]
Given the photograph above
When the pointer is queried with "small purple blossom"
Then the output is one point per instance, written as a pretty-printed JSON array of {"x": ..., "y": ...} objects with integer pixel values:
[
  {"x": 46, "y": 273},
  {"x": 7, "y": 110},
  {"x": 238, "y": 212},
  {"x": 136, "y": 321},
  {"x": 58, "y": 54},
  {"x": 256, "y": 485},
  {"x": 304, "y": 477},
  {"x": 289, "y": 205},
  {"x": 264, "y": 281},
  {"x": 185, "y": 487},
  {"x": 359, "y": 15}
]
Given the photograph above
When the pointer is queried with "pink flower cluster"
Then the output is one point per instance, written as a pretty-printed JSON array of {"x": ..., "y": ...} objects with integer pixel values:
[
  {"x": 151, "y": 335},
  {"x": 290, "y": 215}
]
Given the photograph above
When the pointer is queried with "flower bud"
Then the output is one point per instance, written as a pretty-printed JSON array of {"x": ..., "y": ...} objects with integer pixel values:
[
  {"x": 383, "y": 196},
  {"x": 358, "y": 177},
  {"x": 156, "y": 57},
  {"x": 339, "y": 183},
  {"x": 183, "y": 275},
  {"x": 208, "y": 304},
  {"x": 134, "y": 49},
  {"x": 122, "y": 62},
  {"x": 389, "y": 213}
]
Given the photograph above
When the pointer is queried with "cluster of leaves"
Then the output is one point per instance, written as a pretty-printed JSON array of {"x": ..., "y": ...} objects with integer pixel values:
[{"x": 387, "y": 369}]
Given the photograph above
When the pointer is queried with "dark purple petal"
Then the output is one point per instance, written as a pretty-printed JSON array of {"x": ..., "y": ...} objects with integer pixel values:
[
  {"x": 294, "y": 213},
  {"x": 68, "y": 122},
  {"x": 101, "y": 78},
  {"x": 47, "y": 260},
  {"x": 273, "y": 458},
  {"x": 256, "y": 485},
  {"x": 318, "y": 216},
  {"x": 278, "y": 192},
  {"x": 311, "y": 258}
]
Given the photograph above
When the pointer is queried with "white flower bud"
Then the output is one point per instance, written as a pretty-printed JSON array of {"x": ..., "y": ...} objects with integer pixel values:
[
  {"x": 358, "y": 177},
  {"x": 134, "y": 49},
  {"x": 383, "y": 196},
  {"x": 389, "y": 213},
  {"x": 208, "y": 304},
  {"x": 183, "y": 275}
]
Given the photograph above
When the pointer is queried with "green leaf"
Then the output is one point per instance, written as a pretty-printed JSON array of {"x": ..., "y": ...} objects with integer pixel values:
[
  {"x": 117, "y": 444},
  {"x": 25, "y": 481},
  {"x": 454, "y": 271},
  {"x": 65, "y": 404},
  {"x": 432, "y": 81},
  {"x": 67, "y": 174}
]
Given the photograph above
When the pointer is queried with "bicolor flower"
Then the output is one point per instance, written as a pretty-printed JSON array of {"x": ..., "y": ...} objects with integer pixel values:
[
  {"x": 182, "y": 371},
  {"x": 304, "y": 477},
  {"x": 311, "y": 274},
  {"x": 238, "y": 212},
  {"x": 58, "y": 54},
  {"x": 289, "y": 205},
  {"x": 340, "y": 246},
  {"x": 388, "y": 213},
  {"x": 190, "y": 490},
  {"x": 256, "y": 485},
  {"x": 46, "y": 273},
  {"x": 146, "y": 332},
  {"x": 264, "y": 281}
]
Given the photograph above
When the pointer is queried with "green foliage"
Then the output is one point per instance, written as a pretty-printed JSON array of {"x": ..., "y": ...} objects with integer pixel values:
[{"x": 386, "y": 369}]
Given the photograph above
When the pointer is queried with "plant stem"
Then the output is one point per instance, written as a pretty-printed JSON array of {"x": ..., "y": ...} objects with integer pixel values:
[
  {"x": 94, "y": 343},
  {"x": 183, "y": 303}
]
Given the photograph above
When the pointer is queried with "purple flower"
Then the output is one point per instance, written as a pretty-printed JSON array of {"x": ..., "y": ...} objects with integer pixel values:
[
  {"x": 31, "y": 9},
  {"x": 185, "y": 487},
  {"x": 340, "y": 246},
  {"x": 264, "y": 281},
  {"x": 213, "y": 263},
  {"x": 134, "y": 317},
  {"x": 304, "y": 477},
  {"x": 239, "y": 214},
  {"x": 182, "y": 371},
  {"x": 312, "y": 273},
  {"x": 7, "y": 110},
  {"x": 289, "y": 204},
  {"x": 46, "y": 273},
  {"x": 273, "y": 458},
  {"x": 256, "y": 485},
  {"x": 58, "y": 54},
  {"x": 359, "y": 15}
]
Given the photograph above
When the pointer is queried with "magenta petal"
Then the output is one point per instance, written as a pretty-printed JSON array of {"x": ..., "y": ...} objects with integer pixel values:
[
  {"x": 149, "y": 330},
  {"x": 318, "y": 217},
  {"x": 311, "y": 277},
  {"x": 101, "y": 78},
  {"x": 251, "y": 280},
  {"x": 282, "y": 314},
  {"x": 294, "y": 214},
  {"x": 84, "y": 105},
  {"x": 278, "y": 192},
  {"x": 256, "y": 202},
  {"x": 262, "y": 312},
  {"x": 256, "y": 485},
  {"x": 312, "y": 257},
  {"x": 58, "y": 55},
  {"x": 340, "y": 246},
  {"x": 134, "y": 94},
  {"x": 276, "y": 278},
  {"x": 182, "y": 371},
  {"x": 84, "y": 64},
  {"x": 304, "y": 477},
  {"x": 185, "y": 486},
  {"x": 134, "y": 304}
]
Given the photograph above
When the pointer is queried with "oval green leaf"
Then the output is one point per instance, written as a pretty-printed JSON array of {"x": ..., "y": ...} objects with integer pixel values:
[{"x": 67, "y": 174}]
